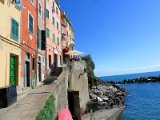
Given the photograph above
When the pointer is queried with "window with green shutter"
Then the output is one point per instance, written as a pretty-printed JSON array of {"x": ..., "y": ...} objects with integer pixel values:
[
  {"x": 30, "y": 24},
  {"x": 53, "y": 20},
  {"x": 14, "y": 29},
  {"x": 54, "y": 37},
  {"x": 57, "y": 25},
  {"x": 39, "y": 9},
  {"x": 58, "y": 40},
  {"x": 32, "y": 1},
  {"x": 57, "y": 10},
  {"x": 47, "y": 32},
  {"x": 47, "y": 13}
]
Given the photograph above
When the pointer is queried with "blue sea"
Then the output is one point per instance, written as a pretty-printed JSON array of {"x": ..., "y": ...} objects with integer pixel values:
[{"x": 142, "y": 100}]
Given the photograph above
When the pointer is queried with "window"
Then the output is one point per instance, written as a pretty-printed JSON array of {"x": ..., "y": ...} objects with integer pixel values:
[
  {"x": 57, "y": 25},
  {"x": 53, "y": 4},
  {"x": 39, "y": 9},
  {"x": 42, "y": 15},
  {"x": 57, "y": 10},
  {"x": 32, "y": 1},
  {"x": 14, "y": 29},
  {"x": 33, "y": 63},
  {"x": 67, "y": 33},
  {"x": 39, "y": 38},
  {"x": 53, "y": 20},
  {"x": 58, "y": 40},
  {"x": 47, "y": 32},
  {"x": 30, "y": 24},
  {"x": 47, "y": 13},
  {"x": 54, "y": 37}
]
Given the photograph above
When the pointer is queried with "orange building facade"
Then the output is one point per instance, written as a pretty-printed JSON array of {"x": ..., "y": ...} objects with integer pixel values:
[{"x": 29, "y": 43}]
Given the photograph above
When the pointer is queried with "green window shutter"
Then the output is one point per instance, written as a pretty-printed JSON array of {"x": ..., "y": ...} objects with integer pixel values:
[
  {"x": 47, "y": 32},
  {"x": 58, "y": 40},
  {"x": 39, "y": 9},
  {"x": 57, "y": 25},
  {"x": 53, "y": 20},
  {"x": 47, "y": 13},
  {"x": 14, "y": 29},
  {"x": 57, "y": 10},
  {"x": 54, "y": 37}
]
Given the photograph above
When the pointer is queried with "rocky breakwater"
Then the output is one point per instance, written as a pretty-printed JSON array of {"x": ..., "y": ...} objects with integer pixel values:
[
  {"x": 137, "y": 80},
  {"x": 106, "y": 97}
]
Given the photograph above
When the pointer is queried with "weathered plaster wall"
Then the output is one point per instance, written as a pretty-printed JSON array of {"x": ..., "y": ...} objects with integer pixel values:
[
  {"x": 78, "y": 81},
  {"x": 60, "y": 91}
]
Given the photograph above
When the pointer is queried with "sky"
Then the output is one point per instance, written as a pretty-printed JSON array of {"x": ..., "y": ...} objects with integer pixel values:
[{"x": 122, "y": 36}]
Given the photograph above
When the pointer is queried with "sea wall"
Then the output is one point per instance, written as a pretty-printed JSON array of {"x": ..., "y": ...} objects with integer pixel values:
[{"x": 112, "y": 114}]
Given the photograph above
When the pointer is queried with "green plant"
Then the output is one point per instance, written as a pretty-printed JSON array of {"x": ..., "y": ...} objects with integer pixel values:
[
  {"x": 48, "y": 111},
  {"x": 90, "y": 69}
]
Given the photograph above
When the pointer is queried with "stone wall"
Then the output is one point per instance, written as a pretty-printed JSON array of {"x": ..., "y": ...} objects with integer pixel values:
[
  {"x": 72, "y": 78},
  {"x": 60, "y": 92},
  {"x": 78, "y": 81}
]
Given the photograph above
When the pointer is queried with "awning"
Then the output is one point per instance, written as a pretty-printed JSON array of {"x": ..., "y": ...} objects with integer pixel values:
[{"x": 74, "y": 52}]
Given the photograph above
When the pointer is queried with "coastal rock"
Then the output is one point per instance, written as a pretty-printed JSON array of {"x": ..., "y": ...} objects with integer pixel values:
[
  {"x": 106, "y": 97},
  {"x": 99, "y": 99}
]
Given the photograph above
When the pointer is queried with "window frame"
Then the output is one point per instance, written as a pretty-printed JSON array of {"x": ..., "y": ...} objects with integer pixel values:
[
  {"x": 32, "y": 2},
  {"x": 57, "y": 25},
  {"x": 47, "y": 32},
  {"x": 47, "y": 13},
  {"x": 57, "y": 12},
  {"x": 31, "y": 32},
  {"x": 53, "y": 20},
  {"x": 53, "y": 36},
  {"x": 16, "y": 38},
  {"x": 39, "y": 10}
]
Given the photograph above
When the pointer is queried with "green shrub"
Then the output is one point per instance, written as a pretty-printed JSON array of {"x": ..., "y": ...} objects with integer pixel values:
[
  {"x": 90, "y": 70},
  {"x": 48, "y": 111}
]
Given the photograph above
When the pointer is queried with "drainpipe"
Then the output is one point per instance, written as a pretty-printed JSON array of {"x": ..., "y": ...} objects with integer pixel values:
[
  {"x": 35, "y": 83},
  {"x": 46, "y": 63}
]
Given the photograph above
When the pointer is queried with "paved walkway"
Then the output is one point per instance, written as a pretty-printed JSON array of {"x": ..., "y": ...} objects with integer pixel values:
[{"x": 28, "y": 107}]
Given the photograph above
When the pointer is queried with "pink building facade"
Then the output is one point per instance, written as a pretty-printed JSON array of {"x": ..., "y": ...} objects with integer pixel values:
[
  {"x": 53, "y": 34},
  {"x": 67, "y": 35},
  {"x": 41, "y": 40}
]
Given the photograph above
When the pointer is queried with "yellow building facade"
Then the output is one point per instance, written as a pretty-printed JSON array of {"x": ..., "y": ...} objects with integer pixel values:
[{"x": 10, "y": 47}]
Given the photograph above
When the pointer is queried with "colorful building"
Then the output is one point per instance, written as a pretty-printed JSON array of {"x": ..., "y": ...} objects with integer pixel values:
[
  {"x": 10, "y": 44},
  {"x": 34, "y": 37},
  {"x": 29, "y": 43},
  {"x": 53, "y": 34},
  {"x": 67, "y": 35},
  {"x": 41, "y": 42}
]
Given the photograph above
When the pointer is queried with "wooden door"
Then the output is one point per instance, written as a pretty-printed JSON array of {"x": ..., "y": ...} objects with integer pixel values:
[{"x": 13, "y": 71}]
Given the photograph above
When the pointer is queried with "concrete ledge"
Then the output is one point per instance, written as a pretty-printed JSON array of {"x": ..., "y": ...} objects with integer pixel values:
[{"x": 111, "y": 114}]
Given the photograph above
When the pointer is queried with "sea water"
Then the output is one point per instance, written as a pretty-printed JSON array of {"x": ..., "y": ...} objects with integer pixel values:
[{"x": 142, "y": 100}]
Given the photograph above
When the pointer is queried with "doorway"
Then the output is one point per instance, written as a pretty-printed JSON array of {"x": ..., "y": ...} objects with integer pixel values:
[
  {"x": 27, "y": 74},
  {"x": 55, "y": 61},
  {"x": 74, "y": 104},
  {"x": 13, "y": 71},
  {"x": 49, "y": 60},
  {"x": 39, "y": 72}
]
